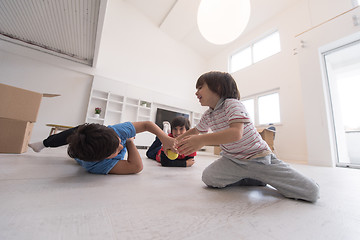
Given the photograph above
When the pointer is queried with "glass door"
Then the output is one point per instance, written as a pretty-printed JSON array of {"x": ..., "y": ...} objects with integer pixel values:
[{"x": 342, "y": 67}]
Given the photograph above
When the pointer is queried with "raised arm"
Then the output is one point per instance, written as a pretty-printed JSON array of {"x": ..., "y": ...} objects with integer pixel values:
[{"x": 192, "y": 143}]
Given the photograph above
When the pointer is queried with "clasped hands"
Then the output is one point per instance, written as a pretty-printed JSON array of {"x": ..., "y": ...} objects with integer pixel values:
[{"x": 186, "y": 145}]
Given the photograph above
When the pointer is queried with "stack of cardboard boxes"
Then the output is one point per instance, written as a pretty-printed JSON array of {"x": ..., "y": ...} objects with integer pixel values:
[{"x": 18, "y": 112}]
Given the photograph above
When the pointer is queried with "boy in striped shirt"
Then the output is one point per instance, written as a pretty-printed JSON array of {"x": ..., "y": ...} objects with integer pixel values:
[{"x": 246, "y": 157}]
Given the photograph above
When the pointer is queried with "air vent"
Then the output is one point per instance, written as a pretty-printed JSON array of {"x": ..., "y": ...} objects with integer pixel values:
[{"x": 65, "y": 28}]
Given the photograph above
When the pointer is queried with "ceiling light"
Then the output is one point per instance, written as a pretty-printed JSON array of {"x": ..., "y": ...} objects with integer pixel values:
[{"x": 222, "y": 21}]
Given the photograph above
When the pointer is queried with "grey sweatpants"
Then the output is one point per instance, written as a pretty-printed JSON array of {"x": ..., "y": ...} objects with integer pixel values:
[{"x": 268, "y": 169}]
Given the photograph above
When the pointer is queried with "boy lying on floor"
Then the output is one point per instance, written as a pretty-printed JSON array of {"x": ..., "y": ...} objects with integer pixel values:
[
  {"x": 179, "y": 125},
  {"x": 101, "y": 150}
]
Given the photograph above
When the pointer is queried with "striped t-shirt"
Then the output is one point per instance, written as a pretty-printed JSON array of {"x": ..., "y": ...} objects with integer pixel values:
[{"x": 228, "y": 111}]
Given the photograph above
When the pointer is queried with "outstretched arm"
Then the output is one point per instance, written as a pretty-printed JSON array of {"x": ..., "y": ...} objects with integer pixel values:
[
  {"x": 133, "y": 164},
  {"x": 190, "y": 132},
  {"x": 192, "y": 143},
  {"x": 168, "y": 142}
]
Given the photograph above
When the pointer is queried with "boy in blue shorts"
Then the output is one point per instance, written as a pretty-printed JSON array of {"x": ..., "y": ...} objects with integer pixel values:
[{"x": 101, "y": 149}]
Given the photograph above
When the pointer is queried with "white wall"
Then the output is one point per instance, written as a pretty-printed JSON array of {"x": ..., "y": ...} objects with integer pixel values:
[
  {"x": 67, "y": 109},
  {"x": 319, "y": 129},
  {"x": 146, "y": 94},
  {"x": 279, "y": 71},
  {"x": 132, "y": 51},
  {"x": 294, "y": 142},
  {"x": 136, "y": 51}
]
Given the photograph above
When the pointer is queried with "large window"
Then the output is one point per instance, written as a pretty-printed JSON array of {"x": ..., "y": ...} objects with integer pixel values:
[
  {"x": 264, "y": 109},
  {"x": 255, "y": 52}
]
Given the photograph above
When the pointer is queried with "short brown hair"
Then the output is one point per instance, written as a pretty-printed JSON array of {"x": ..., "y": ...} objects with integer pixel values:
[
  {"x": 179, "y": 122},
  {"x": 221, "y": 83},
  {"x": 92, "y": 142}
]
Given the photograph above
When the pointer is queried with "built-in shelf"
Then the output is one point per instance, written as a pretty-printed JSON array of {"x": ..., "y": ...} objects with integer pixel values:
[
  {"x": 196, "y": 118},
  {"x": 116, "y": 108}
]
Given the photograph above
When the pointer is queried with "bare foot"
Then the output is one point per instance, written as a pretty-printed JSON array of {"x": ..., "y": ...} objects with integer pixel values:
[{"x": 190, "y": 162}]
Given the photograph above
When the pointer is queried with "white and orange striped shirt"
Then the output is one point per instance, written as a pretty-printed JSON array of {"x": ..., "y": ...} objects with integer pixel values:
[{"x": 228, "y": 111}]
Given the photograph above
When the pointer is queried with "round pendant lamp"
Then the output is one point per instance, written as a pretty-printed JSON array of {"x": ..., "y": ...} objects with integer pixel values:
[{"x": 222, "y": 21}]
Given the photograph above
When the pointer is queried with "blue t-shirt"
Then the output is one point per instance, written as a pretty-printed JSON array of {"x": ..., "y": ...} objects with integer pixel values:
[{"x": 124, "y": 131}]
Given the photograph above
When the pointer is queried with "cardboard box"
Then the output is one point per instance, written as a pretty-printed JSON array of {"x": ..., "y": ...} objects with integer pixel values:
[
  {"x": 217, "y": 150},
  {"x": 15, "y": 135},
  {"x": 19, "y": 104},
  {"x": 268, "y": 135},
  {"x": 19, "y": 109}
]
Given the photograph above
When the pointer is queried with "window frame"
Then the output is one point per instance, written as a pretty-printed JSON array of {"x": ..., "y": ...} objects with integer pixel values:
[
  {"x": 256, "y": 97},
  {"x": 251, "y": 46}
]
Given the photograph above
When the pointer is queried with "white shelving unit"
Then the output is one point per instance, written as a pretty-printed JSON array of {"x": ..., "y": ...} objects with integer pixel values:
[
  {"x": 116, "y": 109},
  {"x": 136, "y": 110},
  {"x": 97, "y": 99},
  {"x": 111, "y": 107},
  {"x": 195, "y": 118}
]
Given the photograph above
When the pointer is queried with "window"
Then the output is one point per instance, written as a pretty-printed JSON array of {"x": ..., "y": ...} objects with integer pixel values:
[
  {"x": 266, "y": 47},
  {"x": 256, "y": 52},
  {"x": 269, "y": 110},
  {"x": 241, "y": 59},
  {"x": 250, "y": 107},
  {"x": 263, "y": 108}
]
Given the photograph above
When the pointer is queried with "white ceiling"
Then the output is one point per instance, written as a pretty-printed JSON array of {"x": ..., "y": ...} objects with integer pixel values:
[
  {"x": 69, "y": 28},
  {"x": 178, "y": 19}
]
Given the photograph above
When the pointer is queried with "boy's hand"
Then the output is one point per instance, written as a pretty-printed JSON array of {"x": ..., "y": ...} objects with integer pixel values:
[
  {"x": 169, "y": 143},
  {"x": 189, "y": 144}
]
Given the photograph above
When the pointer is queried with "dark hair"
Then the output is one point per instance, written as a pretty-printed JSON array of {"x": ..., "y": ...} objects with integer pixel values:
[
  {"x": 221, "y": 83},
  {"x": 92, "y": 142},
  {"x": 180, "y": 121}
]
